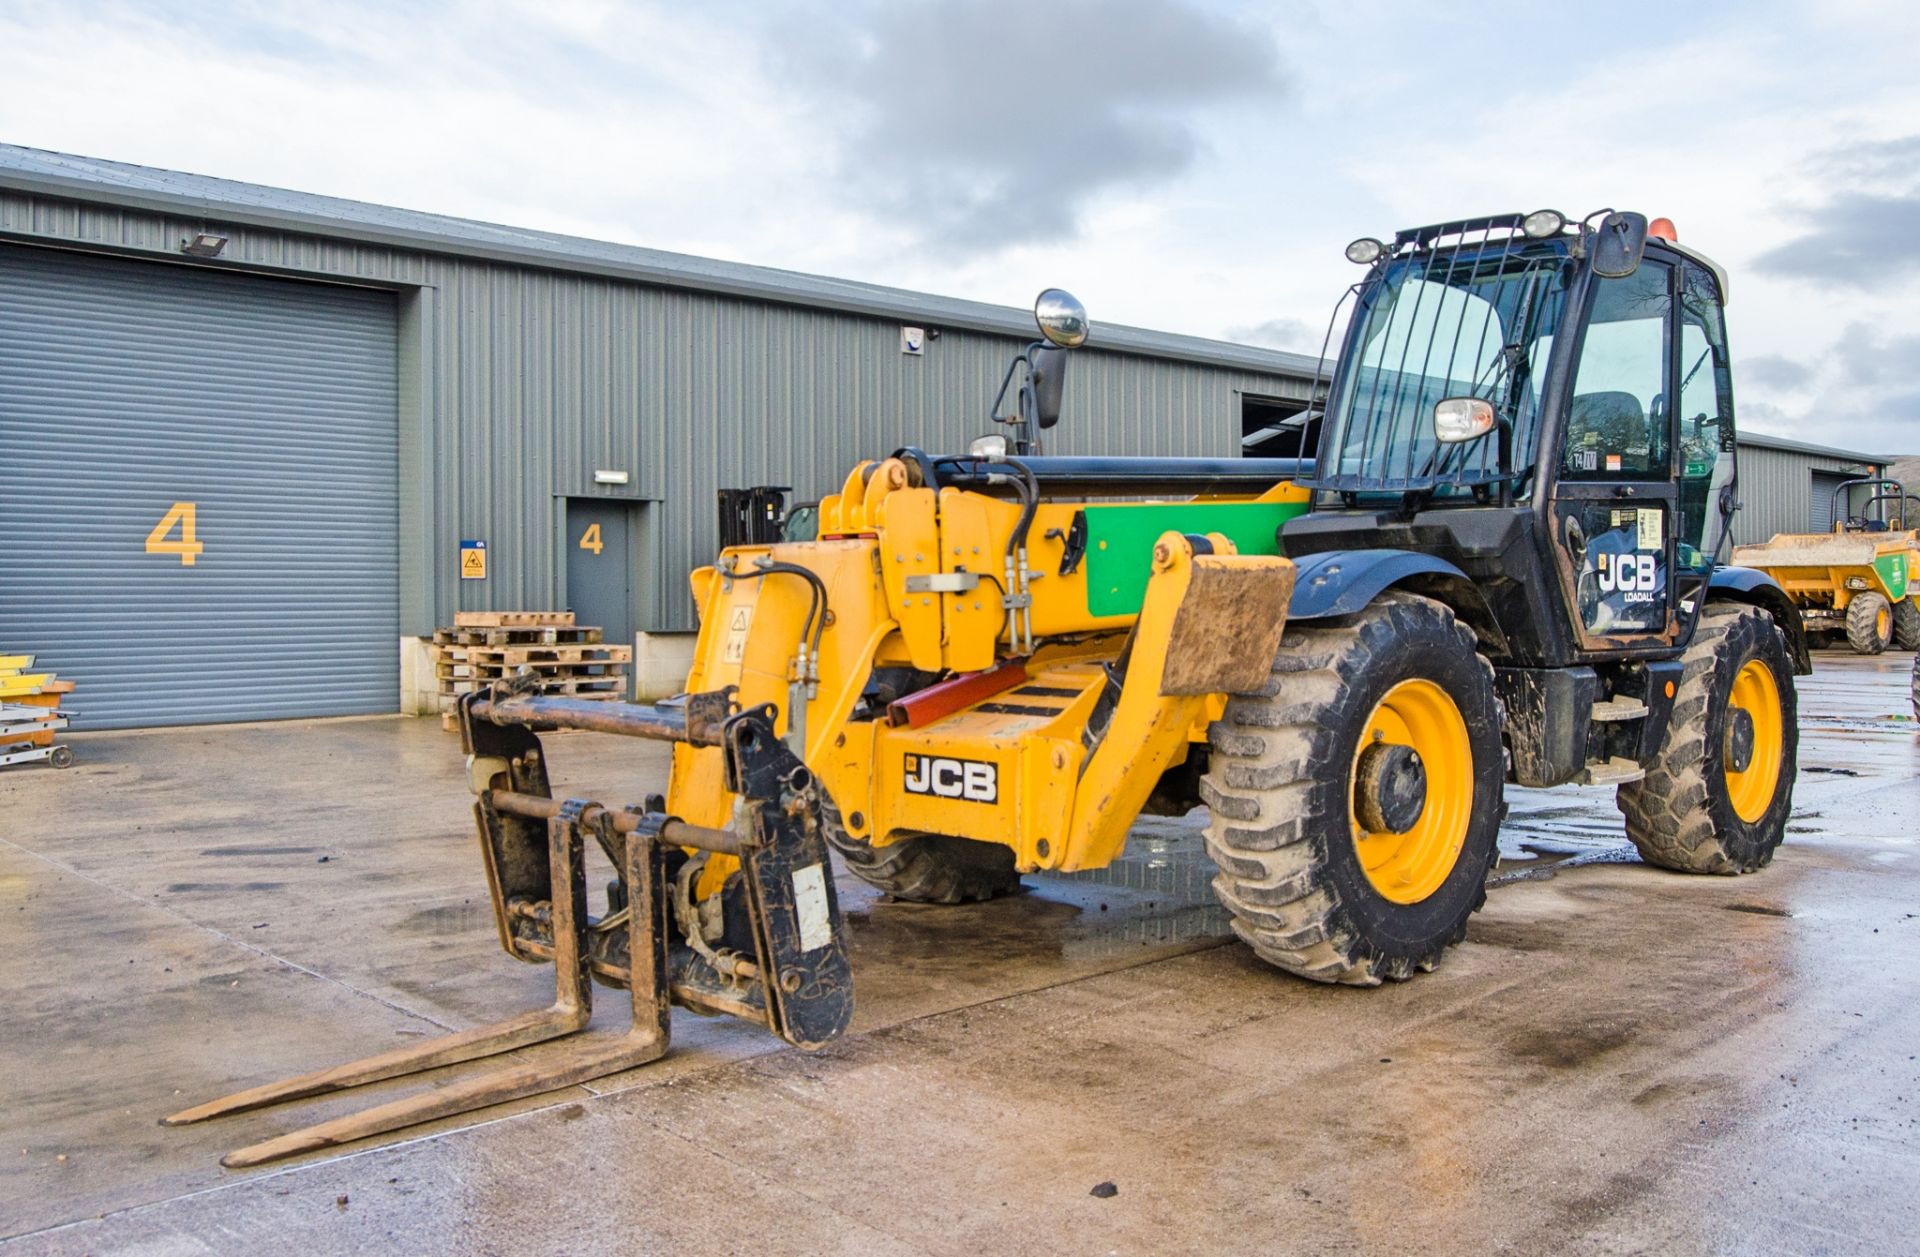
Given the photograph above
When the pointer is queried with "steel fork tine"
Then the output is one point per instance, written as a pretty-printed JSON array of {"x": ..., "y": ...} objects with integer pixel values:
[
  {"x": 451, "y": 1049},
  {"x": 571, "y": 1010},
  {"x": 583, "y": 1061}
]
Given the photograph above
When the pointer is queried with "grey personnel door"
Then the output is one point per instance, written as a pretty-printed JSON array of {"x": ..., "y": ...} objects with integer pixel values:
[
  {"x": 600, "y": 566},
  {"x": 199, "y": 517}
]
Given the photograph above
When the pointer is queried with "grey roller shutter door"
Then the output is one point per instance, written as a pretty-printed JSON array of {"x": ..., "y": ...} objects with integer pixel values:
[
  {"x": 269, "y": 405},
  {"x": 1821, "y": 505}
]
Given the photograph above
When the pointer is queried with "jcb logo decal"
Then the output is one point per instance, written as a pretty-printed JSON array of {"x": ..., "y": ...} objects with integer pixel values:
[
  {"x": 1628, "y": 573},
  {"x": 969, "y": 779}
]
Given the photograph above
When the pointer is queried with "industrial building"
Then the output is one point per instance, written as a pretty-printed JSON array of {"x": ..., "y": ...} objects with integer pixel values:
[
  {"x": 256, "y": 438},
  {"x": 264, "y": 428},
  {"x": 1788, "y": 486}
]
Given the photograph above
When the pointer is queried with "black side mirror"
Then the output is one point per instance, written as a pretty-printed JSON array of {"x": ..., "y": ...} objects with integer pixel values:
[
  {"x": 1618, "y": 244},
  {"x": 1046, "y": 383}
]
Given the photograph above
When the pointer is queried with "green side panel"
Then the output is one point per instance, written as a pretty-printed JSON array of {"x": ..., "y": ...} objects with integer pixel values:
[
  {"x": 1120, "y": 542},
  {"x": 1892, "y": 569}
]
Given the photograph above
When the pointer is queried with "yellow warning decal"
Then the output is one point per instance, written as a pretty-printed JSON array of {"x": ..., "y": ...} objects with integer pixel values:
[
  {"x": 738, "y": 622},
  {"x": 473, "y": 560}
]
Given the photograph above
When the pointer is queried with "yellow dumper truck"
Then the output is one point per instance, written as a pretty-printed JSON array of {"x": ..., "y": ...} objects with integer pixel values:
[{"x": 1860, "y": 581}]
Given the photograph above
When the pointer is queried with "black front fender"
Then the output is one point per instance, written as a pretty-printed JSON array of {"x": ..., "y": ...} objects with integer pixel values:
[
  {"x": 1344, "y": 582},
  {"x": 1341, "y": 582},
  {"x": 1757, "y": 589}
]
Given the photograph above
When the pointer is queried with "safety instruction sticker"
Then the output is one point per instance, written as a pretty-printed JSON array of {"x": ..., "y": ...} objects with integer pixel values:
[
  {"x": 810, "y": 906},
  {"x": 473, "y": 560},
  {"x": 1648, "y": 530},
  {"x": 739, "y": 620}
]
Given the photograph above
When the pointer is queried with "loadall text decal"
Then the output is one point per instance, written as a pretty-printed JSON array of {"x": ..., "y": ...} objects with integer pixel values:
[
  {"x": 1623, "y": 579},
  {"x": 973, "y": 780}
]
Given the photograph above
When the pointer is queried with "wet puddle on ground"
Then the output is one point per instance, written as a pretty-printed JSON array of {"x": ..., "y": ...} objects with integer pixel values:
[{"x": 1160, "y": 891}]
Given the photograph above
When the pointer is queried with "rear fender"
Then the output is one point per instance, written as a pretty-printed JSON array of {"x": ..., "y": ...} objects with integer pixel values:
[
  {"x": 1757, "y": 589},
  {"x": 1343, "y": 582}
]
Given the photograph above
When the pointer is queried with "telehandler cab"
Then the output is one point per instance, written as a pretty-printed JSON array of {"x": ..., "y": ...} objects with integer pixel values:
[{"x": 1502, "y": 566}]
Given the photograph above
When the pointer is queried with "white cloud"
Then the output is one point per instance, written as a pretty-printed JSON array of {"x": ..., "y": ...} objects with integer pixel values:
[{"x": 683, "y": 127}]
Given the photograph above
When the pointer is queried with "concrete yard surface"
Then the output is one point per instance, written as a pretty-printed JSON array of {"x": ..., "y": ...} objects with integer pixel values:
[{"x": 1617, "y": 1060}]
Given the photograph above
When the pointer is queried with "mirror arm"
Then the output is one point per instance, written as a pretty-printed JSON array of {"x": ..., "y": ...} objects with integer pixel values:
[{"x": 993, "y": 412}]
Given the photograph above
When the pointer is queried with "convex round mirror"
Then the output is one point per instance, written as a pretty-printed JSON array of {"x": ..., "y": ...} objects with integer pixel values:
[{"x": 1062, "y": 319}]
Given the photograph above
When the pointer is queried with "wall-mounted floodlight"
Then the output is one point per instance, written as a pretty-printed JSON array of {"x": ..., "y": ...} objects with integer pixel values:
[
  {"x": 609, "y": 477},
  {"x": 204, "y": 245}
]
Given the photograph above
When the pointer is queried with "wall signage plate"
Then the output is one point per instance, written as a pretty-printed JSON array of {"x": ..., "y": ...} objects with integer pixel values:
[{"x": 473, "y": 560}]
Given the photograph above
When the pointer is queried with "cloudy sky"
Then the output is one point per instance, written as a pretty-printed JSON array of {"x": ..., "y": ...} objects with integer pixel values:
[{"x": 1189, "y": 165}]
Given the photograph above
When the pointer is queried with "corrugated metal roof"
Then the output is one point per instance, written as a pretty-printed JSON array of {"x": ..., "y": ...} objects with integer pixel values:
[
  {"x": 1807, "y": 447},
  {"x": 88, "y": 179}
]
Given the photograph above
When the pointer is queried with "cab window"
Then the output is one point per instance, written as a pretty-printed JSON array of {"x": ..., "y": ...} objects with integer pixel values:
[
  {"x": 1706, "y": 419},
  {"x": 1617, "y": 419}
]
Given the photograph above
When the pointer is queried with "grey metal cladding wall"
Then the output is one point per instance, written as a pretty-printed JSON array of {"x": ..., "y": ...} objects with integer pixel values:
[
  {"x": 546, "y": 377},
  {"x": 744, "y": 393},
  {"x": 535, "y": 378},
  {"x": 127, "y": 387},
  {"x": 1776, "y": 491}
]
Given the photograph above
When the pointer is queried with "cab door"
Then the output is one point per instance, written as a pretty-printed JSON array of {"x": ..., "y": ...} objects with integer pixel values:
[{"x": 1615, "y": 501}]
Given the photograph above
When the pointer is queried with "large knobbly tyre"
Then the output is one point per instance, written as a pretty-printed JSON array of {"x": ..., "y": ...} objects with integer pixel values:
[
  {"x": 1906, "y": 624},
  {"x": 1869, "y": 623},
  {"x": 1716, "y": 796},
  {"x": 1350, "y": 885},
  {"x": 930, "y": 868}
]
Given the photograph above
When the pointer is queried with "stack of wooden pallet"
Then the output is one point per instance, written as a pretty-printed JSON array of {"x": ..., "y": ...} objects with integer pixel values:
[
  {"x": 487, "y": 646},
  {"x": 30, "y": 713}
]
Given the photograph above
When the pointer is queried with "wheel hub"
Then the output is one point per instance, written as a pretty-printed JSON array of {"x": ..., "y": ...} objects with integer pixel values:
[
  {"x": 1411, "y": 800},
  {"x": 1739, "y": 747},
  {"x": 1390, "y": 788},
  {"x": 1753, "y": 747}
]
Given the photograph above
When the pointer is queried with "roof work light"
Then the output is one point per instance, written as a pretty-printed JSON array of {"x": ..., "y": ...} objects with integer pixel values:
[{"x": 1543, "y": 223}]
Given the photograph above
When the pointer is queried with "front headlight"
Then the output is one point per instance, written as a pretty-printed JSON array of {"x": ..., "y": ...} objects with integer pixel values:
[
  {"x": 989, "y": 448},
  {"x": 1365, "y": 251}
]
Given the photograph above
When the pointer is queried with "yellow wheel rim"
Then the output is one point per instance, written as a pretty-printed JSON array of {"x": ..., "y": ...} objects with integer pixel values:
[
  {"x": 1883, "y": 624},
  {"x": 1758, "y": 694},
  {"x": 1407, "y": 867}
]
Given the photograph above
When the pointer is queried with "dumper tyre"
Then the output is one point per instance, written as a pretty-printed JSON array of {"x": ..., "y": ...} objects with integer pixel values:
[
  {"x": 1695, "y": 811},
  {"x": 1869, "y": 623},
  {"x": 1311, "y": 888},
  {"x": 927, "y": 868},
  {"x": 1906, "y": 624}
]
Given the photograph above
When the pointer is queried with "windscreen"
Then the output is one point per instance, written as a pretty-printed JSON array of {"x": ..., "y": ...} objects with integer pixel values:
[{"x": 1460, "y": 323}]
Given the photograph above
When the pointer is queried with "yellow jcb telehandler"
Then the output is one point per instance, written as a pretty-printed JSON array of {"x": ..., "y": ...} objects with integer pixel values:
[{"x": 1500, "y": 567}]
